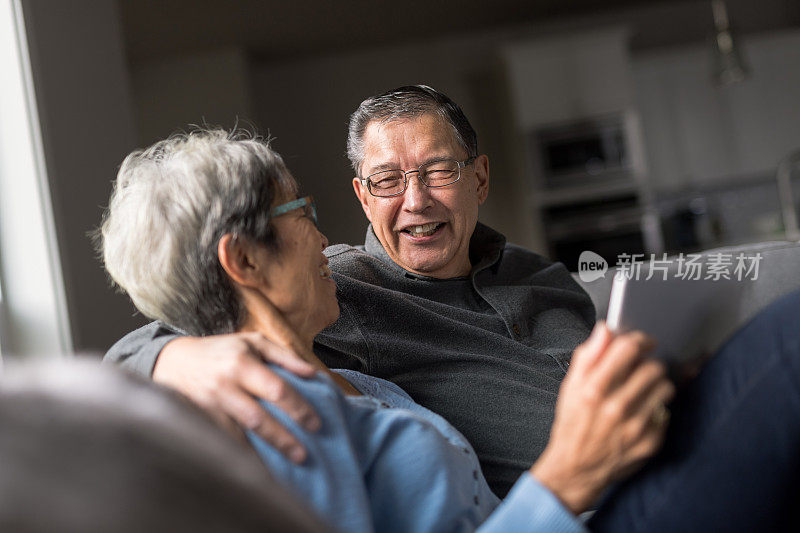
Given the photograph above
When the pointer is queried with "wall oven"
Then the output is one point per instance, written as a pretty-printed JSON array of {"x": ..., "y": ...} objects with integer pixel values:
[{"x": 586, "y": 189}]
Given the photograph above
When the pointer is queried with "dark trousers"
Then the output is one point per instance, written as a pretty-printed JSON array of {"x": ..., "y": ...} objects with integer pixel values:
[{"x": 731, "y": 457}]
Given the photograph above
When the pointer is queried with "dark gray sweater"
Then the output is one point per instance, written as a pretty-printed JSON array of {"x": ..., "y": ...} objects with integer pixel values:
[{"x": 487, "y": 352}]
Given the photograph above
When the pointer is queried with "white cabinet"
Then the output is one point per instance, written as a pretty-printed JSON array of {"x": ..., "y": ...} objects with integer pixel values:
[
  {"x": 698, "y": 134},
  {"x": 567, "y": 78}
]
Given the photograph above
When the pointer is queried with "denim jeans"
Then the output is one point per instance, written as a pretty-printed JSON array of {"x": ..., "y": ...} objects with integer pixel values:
[{"x": 731, "y": 456}]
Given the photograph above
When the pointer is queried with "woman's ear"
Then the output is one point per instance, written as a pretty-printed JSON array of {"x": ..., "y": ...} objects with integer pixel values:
[{"x": 237, "y": 257}]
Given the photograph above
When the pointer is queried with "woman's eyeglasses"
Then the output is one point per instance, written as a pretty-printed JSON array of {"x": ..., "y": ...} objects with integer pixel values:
[{"x": 306, "y": 203}]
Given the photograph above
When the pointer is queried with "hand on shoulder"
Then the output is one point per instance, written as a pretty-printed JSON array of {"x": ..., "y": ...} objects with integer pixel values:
[{"x": 224, "y": 374}]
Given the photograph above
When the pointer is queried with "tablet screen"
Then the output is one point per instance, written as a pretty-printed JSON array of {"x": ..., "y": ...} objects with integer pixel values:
[{"x": 689, "y": 319}]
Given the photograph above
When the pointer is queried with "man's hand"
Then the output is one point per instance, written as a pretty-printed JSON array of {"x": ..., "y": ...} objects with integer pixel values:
[
  {"x": 225, "y": 373},
  {"x": 610, "y": 417}
]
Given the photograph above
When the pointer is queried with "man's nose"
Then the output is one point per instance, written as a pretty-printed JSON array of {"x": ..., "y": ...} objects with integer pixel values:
[{"x": 417, "y": 196}]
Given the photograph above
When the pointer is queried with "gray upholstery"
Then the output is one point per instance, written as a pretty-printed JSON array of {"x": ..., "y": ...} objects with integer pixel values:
[{"x": 779, "y": 274}]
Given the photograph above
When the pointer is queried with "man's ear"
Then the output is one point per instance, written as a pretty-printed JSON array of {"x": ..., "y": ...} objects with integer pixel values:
[
  {"x": 482, "y": 174},
  {"x": 236, "y": 255},
  {"x": 363, "y": 195}
]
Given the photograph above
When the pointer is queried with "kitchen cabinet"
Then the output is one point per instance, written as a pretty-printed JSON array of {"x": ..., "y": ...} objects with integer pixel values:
[
  {"x": 561, "y": 79},
  {"x": 697, "y": 134}
]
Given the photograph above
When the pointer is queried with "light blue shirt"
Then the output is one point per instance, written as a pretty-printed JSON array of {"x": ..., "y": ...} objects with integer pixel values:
[{"x": 383, "y": 463}]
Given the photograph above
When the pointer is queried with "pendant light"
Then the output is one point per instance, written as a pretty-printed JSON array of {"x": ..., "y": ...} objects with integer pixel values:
[{"x": 729, "y": 68}]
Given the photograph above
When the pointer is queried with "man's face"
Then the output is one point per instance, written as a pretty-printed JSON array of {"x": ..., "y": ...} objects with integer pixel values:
[{"x": 452, "y": 210}]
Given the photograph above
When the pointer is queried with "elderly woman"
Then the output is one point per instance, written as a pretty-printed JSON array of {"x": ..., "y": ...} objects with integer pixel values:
[{"x": 206, "y": 232}]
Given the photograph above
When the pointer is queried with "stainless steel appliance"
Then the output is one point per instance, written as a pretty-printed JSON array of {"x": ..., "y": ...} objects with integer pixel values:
[
  {"x": 608, "y": 227},
  {"x": 587, "y": 192},
  {"x": 583, "y": 153}
]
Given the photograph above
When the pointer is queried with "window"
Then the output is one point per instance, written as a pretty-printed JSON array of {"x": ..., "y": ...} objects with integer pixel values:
[{"x": 33, "y": 316}]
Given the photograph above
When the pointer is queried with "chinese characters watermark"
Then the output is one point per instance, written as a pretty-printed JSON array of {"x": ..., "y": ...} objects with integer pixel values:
[{"x": 714, "y": 266}]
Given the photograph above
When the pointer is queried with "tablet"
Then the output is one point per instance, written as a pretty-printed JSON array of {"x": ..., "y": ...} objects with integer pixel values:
[{"x": 689, "y": 319}]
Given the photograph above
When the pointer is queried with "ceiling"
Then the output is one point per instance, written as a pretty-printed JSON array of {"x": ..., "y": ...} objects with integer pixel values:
[{"x": 280, "y": 29}]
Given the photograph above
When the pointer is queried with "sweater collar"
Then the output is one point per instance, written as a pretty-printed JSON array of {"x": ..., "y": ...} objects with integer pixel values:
[{"x": 485, "y": 247}]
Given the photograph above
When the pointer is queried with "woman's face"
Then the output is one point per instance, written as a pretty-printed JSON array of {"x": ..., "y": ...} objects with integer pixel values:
[{"x": 297, "y": 279}]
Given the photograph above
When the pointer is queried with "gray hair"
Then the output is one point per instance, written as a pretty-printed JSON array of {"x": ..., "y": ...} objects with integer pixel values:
[
  {"x": 87, "y": 448},
  {"x": 170, "y": 206},
  {"x": 407, "y": 102}
]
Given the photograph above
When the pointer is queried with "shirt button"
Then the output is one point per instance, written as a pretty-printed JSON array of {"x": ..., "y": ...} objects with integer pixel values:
[
  {"x": 385, "y": 405},
  {"x": 515, "y": 327},
  {"x": 475, "y": 474},
  {"x": 465, "y": 450},
  {"x": 475, "y": 500}
]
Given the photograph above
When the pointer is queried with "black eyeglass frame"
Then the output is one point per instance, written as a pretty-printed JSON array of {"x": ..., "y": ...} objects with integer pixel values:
[{"x": 366, "y": 182}]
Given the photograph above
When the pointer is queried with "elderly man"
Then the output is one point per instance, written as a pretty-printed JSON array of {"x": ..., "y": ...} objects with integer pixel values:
[{"x": 475, "y": 329}]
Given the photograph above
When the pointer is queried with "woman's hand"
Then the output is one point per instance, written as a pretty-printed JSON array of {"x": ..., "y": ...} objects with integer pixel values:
[
  {"x": 224, "y": 374},
  {"x": 610, "y": 417}
]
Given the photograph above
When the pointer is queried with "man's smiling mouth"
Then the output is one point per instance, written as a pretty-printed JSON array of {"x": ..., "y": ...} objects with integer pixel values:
[{"x": 424, "y": 230}]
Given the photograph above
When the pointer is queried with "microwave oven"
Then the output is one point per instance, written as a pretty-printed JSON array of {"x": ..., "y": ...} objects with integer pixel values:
[{"x": 586, "y": 152}]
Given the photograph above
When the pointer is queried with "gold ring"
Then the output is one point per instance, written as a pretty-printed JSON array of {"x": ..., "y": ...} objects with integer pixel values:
[{"x": 660, "y": 416}]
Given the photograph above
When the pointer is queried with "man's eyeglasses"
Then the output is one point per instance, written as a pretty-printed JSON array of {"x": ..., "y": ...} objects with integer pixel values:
[
  {"x": 395, "y": 182},
  {"x": 306, "y": 203}
]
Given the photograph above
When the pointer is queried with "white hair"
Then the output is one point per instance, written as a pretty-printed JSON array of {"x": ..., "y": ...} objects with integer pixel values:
[{"x": 170, "y": 206}]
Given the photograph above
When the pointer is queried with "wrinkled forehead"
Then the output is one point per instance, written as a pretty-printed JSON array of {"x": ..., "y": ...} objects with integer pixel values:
[{"x": 422, "y": 137}]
